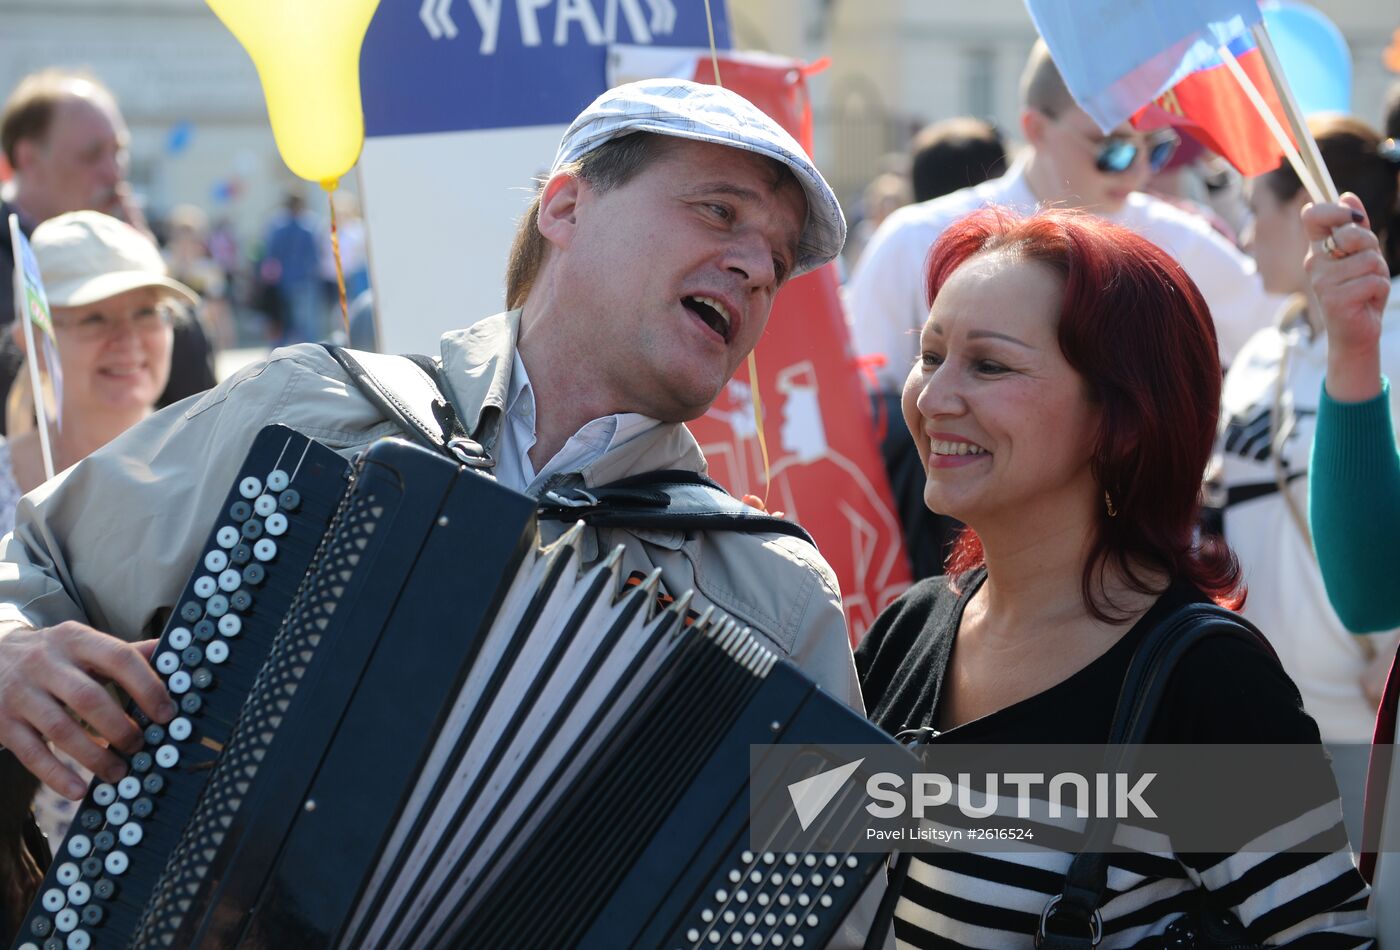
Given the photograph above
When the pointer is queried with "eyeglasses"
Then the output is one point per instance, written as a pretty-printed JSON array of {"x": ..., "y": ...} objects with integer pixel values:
[
  {"x": 1118, "y": 153},
  {"x": 97, "y": 325}
]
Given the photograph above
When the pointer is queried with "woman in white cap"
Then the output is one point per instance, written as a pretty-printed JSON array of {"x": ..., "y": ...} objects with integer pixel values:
[{"x": 113, "y": 306}]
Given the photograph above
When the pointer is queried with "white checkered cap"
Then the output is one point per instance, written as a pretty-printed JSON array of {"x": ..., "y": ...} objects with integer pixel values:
[{"x": 708, "y": 113}]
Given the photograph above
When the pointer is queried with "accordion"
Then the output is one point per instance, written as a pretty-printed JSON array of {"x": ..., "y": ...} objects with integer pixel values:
[{"x": 402, "y": 724}]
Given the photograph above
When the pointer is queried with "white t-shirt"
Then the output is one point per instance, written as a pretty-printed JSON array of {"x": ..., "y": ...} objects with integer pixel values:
[
  {"x": 885, "y": 301},
  {"x": 1287, "y": 599}
]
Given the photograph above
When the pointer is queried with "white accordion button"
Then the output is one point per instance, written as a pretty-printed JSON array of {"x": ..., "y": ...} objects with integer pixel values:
[
  {"x": 129, "y": 787},
  {"x": 117, "y": 813},
  {"x": 229, "y": 581},
  {"x": 180, "y": 638},
  {"x": 228, "y": 536},
  {"x": 265, "y": 550},
  {"x": 79, "y": 846},
  {"x": 277, "y": 480},
  {"x": 216, "y": 652},
  {"x": 179, "y": 682},
  {"x": 79, "y": 893},
  {"x": 205, "y": 586},
  {"x": 67, "y": 873},
  {"x": 167, "y": 663},
  {"x": 179, "y": 728},
  {"x": 104, "y": 795},
  {"x": 230, "y": 625},
  {"x": 265, "y": 505},
  {"x": 116, "y": 862},
  {"x": 79, "y": 940},
  {"x": 276, "y": 524},
  {"x": 167, "y": 756},
  {"x": 250, "y": 488},
  {"x": 54, "y": 900},
  {"x": 66, "y": 919},
  {"x": 131, "y": 834},
  {"x": 215, "y": 561}
]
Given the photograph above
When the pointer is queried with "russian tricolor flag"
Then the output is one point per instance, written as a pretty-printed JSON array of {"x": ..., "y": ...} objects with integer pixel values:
[
  {"x": 1210, "y": 106},
  {"x": 1158, "y": 62}
]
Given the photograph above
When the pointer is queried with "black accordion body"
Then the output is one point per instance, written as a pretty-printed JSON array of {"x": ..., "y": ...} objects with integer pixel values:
[{"x": 403, "y": 725}]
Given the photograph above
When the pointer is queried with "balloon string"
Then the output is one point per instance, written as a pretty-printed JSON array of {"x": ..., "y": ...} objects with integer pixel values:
[
  {"x": 753, "y": 360},
  {"x": 339, "y": 267}
]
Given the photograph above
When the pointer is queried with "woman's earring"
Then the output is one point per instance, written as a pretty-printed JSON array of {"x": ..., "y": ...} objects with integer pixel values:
[{"x": 1108, "y": 503}]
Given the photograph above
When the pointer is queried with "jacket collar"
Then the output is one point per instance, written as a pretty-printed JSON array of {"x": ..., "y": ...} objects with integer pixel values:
[{"x": 477, "y": 363}]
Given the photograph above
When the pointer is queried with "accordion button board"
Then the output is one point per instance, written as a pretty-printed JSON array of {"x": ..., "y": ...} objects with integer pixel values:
[{"x": 115, "y": 851}]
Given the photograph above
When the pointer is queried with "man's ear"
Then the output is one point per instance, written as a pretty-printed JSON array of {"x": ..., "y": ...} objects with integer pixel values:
[
  {"x": 26, "y": 154},
  {"x": 559, "y": 206},
  {"x": 1033, "y": 123}
]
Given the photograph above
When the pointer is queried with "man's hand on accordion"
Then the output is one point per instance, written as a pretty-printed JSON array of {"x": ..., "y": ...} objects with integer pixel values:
[{"x": 49, "y": 676}]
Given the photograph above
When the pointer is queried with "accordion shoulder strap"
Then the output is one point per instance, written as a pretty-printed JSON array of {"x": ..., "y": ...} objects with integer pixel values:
[{"x": 409, "y": 391}]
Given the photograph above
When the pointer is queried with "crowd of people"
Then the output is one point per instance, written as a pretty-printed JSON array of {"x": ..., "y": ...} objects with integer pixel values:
[{"x": 1111, "y": 411}]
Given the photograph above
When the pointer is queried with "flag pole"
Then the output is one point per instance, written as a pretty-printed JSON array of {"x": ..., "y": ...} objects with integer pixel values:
[
  {"x": 1301, "y": 133},
  {"x": 1290, "y": 151}
]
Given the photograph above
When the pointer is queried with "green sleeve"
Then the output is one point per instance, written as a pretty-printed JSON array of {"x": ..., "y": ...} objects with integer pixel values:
[{"x": 1354, "y": 508}]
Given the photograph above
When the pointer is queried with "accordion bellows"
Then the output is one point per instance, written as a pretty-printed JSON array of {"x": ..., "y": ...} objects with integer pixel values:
[{"x": 428, "y": 732}]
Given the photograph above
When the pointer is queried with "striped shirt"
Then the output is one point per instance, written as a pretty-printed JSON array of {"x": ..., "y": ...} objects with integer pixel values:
[{"x": 1224, "y": 691}]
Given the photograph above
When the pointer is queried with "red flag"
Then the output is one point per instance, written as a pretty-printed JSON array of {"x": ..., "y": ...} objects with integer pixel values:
[{"x": 1210, "y": 106}]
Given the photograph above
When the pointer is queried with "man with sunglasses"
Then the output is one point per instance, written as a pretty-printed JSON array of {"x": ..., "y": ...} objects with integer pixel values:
[{"x": 1069, "y": 163}]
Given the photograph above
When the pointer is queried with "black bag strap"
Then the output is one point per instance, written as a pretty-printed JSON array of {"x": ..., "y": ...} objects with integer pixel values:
[
  {"x": 1071, "y": 919},
  {"x": 410, "y": 392}
]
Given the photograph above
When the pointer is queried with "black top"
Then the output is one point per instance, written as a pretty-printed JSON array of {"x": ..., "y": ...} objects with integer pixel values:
[{"x": 1224, "y": 690}]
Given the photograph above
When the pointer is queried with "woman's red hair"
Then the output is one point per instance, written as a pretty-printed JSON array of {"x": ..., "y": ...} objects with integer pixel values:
[{"x": 1134, "y": 326}]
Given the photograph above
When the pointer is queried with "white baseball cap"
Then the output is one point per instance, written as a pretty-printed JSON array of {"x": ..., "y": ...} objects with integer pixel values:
[
  {"x": 87, "y": 256},
  {"x": 707, "y": 113}
]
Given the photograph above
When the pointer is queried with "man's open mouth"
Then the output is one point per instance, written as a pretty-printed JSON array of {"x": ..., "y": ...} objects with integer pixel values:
[{"x": 711, "y": 312}]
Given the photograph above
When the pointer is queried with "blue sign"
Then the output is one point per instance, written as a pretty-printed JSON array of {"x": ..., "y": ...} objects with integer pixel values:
[{"x": 455, "y": 65}]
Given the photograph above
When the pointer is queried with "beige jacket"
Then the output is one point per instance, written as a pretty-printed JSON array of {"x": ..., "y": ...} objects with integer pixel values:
[{"x": 111, "y": 542}]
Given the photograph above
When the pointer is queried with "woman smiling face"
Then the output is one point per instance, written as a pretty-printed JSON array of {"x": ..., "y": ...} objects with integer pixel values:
[
  {"x": 115, "y": 353},
  {"x": 1002, "y": 422}
]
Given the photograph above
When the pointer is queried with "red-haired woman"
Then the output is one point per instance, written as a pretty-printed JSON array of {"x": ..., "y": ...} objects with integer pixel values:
[{"x": 1065, "y": 406}]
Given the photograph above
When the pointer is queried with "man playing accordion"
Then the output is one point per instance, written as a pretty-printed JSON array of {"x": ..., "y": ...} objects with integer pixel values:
[{"x": 641, "y": 277}]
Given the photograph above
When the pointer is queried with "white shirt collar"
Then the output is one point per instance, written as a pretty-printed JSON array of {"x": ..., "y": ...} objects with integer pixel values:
[{"x": 586, "y": 446}]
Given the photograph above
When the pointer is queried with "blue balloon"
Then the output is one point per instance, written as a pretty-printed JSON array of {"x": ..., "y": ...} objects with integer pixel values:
[
  {"x": 179, "y": 137},
  {"x": 1314, "y": 55}
]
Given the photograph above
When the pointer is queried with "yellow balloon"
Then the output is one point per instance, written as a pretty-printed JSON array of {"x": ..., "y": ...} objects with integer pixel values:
[{"x": 307, "y": 53}]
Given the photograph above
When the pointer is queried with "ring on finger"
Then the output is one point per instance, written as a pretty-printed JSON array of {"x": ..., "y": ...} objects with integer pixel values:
[{"x": 1329, "y": 245}]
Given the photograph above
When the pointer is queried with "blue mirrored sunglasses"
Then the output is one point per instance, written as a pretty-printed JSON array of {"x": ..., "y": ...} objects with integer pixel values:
[{"x": 1118, "y": 153}]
